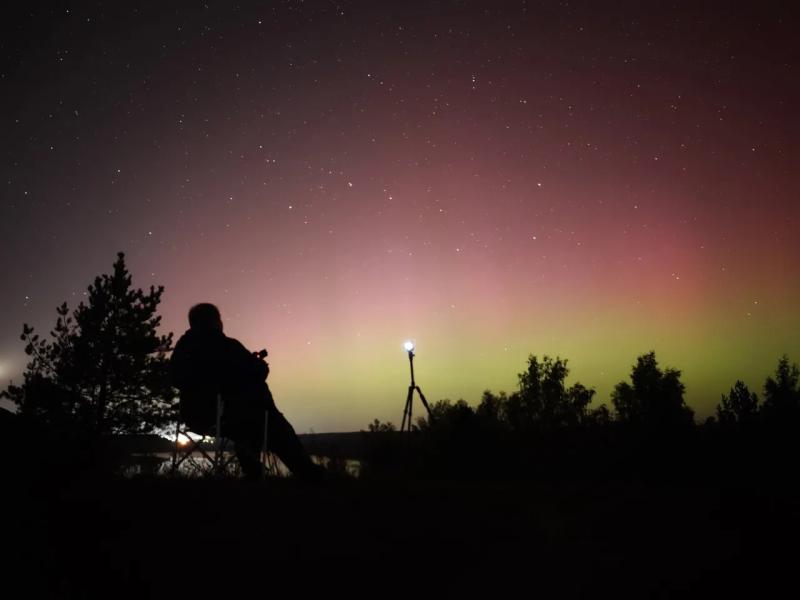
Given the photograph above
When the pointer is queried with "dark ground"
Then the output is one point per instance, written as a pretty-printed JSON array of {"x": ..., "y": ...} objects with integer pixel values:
[{"x": 147, "y": 538}]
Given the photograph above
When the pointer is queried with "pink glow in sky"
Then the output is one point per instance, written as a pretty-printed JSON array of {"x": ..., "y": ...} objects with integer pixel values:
[{"x": 491, "y": 181}]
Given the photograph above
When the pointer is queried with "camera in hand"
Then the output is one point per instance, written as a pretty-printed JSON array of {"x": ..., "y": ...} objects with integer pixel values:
[{"x": 261, "y": 354}]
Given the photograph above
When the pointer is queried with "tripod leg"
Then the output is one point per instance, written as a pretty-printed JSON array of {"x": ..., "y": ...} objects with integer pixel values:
[
  {"x": 407, "y": 409},
  {"x": 410, "y": 407},
  {"x": 424, "y": 402}
]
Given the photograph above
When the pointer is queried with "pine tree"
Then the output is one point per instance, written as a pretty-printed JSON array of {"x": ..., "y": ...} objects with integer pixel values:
[
  {"x": 105, "y": 368},
  {"x": 782, "y": 394},
  {"x": 738, "y": 407}
]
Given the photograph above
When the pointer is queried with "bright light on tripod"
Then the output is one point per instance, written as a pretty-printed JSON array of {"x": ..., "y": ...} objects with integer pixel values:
[{"x": 409, "y": 346}]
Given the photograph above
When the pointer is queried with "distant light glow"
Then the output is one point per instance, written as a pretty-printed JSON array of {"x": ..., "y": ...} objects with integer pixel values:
[{"x": 409, "y": 346}]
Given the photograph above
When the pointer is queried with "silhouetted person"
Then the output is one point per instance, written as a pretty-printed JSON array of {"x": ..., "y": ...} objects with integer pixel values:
[{"x": 206, "y": 362}]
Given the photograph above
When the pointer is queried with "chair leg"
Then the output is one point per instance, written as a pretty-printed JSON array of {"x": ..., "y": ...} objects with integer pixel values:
[
  {"x": 175, "y": 448},
  {"x": 218, "y": 454},
  {"x": 219, "y": 464},
  {"x": 192, "y": 446}
]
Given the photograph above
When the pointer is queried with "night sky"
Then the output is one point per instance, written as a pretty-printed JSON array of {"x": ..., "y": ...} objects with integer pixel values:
[{"x": 490, "y": 179}]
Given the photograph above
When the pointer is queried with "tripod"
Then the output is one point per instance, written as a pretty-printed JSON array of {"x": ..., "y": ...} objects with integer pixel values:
[{"x": 410, "y": 398}]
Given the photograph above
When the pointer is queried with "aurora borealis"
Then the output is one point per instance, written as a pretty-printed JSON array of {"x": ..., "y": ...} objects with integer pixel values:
[{"x": 489, "y": 179}]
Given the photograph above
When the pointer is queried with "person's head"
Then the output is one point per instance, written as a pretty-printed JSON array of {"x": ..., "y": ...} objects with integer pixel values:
[{"x": 205, "y": 316}]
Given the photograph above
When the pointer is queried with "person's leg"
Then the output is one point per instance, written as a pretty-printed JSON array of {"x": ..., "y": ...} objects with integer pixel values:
[
  {"x": 244, "y": 424},
  {"x": 246, "y": 428},
  {"x": 248, "y": 453},
  {"x": 283, "y": 441}
]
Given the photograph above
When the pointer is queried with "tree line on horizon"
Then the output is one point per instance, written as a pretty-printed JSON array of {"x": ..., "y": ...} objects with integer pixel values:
[
  {"x": 653, "y": 399},
  {"x": 546, "y": 429},
  {"x": 103, "y": 371}
]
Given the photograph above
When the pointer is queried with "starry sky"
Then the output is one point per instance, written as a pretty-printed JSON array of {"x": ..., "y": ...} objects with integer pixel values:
[{"x": 491, "y": 179}]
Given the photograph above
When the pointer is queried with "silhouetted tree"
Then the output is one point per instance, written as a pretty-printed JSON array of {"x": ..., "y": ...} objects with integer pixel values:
[
  {"x": 377, "y": 427},
  {"x": 782, "y": 394},
  {"x": 490, "y": 409},
  {"x": 512, "y": 413},
  {"x": 739, "y": 407},
  {"x": 545, "y": 401},
  {"x": 447, "y": 415},
  {"x": 600, "y": 415},
  {"x": 654, "y": 398},
  {"x": 104, "y": 371}
]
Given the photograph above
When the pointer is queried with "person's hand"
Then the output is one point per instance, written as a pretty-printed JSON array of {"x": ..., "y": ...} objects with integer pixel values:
[{"x": 260, "y": 356}]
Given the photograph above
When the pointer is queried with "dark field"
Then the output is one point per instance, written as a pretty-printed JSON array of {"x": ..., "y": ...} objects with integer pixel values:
[{"x": 146, "y": 538}]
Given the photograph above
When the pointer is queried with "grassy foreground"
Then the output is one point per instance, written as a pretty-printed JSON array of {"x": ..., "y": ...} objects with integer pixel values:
[{"x": 148, "y": 538}]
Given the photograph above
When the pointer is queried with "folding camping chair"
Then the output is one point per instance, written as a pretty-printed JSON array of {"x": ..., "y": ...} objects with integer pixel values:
[{"x": 217, "y": 463}]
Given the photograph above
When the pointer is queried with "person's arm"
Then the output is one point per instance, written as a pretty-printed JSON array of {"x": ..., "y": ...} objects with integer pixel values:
[
  {"x": 178, "y": 366},
  {"x": 245, "y": 363}
]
